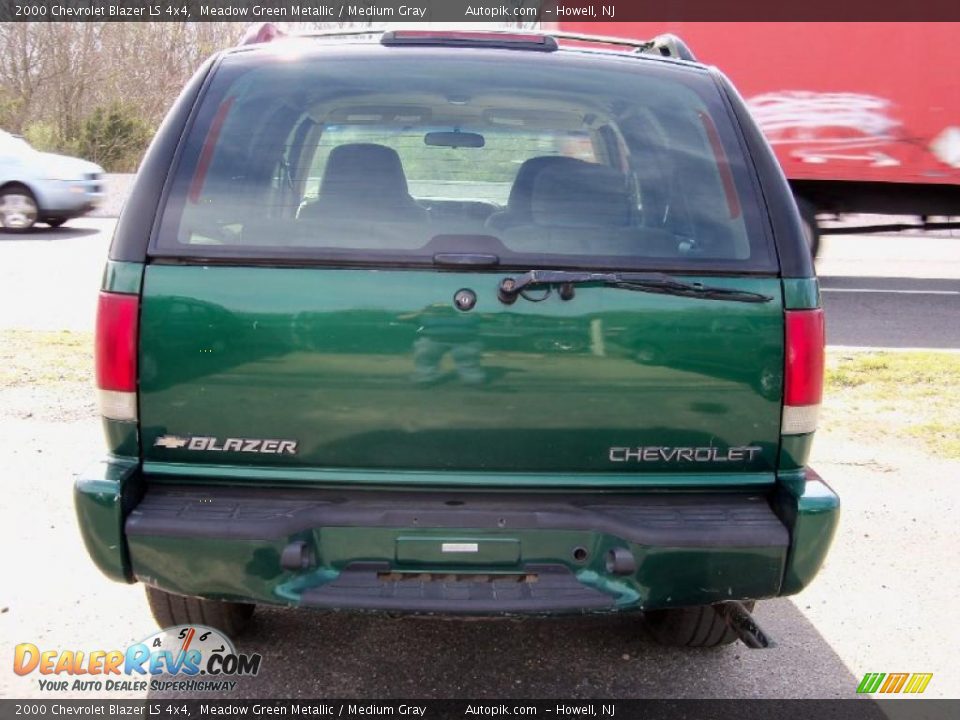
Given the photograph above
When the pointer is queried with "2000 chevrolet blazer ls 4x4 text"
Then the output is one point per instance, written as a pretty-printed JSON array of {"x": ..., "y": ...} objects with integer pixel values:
[{"x": 459, "y": 323}]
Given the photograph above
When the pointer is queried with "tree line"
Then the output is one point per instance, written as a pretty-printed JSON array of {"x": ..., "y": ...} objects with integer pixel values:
[{"x": 99, "y": 90}]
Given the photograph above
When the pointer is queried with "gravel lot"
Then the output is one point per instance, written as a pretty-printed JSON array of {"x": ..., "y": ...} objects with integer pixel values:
[{"x": 881, "y": 603}]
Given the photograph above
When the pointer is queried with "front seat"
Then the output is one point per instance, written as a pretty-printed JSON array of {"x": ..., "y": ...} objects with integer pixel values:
[
  {"x": 363, "y": 181},
  {"x": 519, "y": 204},
  {"x": 586, "y": 210}
]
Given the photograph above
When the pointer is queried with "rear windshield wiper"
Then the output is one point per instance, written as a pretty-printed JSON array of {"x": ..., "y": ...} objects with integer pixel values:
[{"x": 517, "y": 286}]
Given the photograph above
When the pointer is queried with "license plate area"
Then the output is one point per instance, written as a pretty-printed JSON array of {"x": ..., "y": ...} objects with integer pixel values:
[{"x": 459, "y": 551}]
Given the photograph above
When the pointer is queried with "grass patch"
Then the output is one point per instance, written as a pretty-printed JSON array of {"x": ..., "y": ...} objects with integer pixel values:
[
  {"x": 886, "y": 396},
  {"x": 46, "y": 375},
  {"x": 38, "y": 358}
]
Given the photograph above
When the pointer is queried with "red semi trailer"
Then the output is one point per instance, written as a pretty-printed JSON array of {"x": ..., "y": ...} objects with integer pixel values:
[{"x": 864, "y": 117}]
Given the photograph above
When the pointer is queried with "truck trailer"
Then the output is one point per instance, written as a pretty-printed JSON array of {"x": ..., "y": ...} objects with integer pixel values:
[{"x": 863, "y": 117}]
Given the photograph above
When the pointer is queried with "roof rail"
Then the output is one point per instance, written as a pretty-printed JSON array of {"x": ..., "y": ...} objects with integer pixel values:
[{"x": 667, "y": 45}]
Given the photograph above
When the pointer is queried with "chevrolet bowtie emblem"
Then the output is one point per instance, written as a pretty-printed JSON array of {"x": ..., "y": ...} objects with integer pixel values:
[{"x": 170, "y": 441}]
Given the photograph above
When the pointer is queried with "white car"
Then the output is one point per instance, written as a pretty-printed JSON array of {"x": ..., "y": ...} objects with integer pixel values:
[{"x": 44, "y": 187}]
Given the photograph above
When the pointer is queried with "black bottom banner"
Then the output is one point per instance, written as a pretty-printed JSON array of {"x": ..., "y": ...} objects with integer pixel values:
[{"x": 854, "y": 709}]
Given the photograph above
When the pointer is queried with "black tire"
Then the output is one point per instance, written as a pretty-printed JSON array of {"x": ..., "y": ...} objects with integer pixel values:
[
  {"x": 693, "y": 627},
  {"x": 811, "y": 229},
  {"x": 168, "y": 609},
  {"x": 56, "y": 222},
  {"x": 25, "y": 213}
]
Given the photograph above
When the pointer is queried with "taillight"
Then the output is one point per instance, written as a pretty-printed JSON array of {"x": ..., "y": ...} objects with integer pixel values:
[
  {"x": 803, "y": 375},
  {"x": 116, "y": 355}
]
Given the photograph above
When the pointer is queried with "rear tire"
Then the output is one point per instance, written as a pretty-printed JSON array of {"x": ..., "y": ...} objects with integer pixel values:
[
  {"x": 694, "y": 627},
  {"x": 168, "y": 609},
  {"x": 56, "y": 222}
]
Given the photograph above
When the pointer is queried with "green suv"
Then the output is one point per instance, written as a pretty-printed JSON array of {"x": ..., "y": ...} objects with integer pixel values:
[{"x": 460, "y": 323}]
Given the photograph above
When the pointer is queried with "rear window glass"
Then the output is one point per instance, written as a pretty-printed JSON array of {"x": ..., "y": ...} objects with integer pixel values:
[{"x": 395, "y": 156}]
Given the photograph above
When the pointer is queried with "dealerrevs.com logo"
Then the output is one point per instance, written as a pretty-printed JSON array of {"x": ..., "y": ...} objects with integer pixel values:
[{"x": 190, "y": 658}]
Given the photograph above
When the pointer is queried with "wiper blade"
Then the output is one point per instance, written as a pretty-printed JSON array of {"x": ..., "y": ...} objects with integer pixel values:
[{"x": 513, "y": 287}]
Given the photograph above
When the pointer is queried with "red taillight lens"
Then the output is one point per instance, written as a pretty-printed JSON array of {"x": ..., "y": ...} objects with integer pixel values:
[
  {"x": 116, "y": 345},
  {"x": 804, "y": 371},
  {"x": 803, "y": 375}
]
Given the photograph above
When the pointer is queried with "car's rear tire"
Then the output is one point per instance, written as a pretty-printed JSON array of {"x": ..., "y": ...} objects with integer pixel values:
[
  {"x": 18, "y": 209},
  {"x": 169, "y": 609},
  {"x": 56, "y": 222},
  {"x": 694, "y": 627}
]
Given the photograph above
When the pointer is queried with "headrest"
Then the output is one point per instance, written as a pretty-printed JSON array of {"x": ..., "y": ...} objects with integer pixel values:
[
  {"x": 363, "y": 169},
  {"x": 521, "y": 194},
  {"x": 588, "y": 195}
]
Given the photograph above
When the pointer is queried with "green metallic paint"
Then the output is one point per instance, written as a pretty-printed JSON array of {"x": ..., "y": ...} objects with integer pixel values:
[
  {"x": 376, "y": 371},
  {"x": 122, "y": 277},
  {"x": 678, "y": 577},
  {"x": 102, "y": 495},
  {"x": 795, "y": 451},
  {"x": 812, "y": 511},
  {"x": 353, "y": 357},
  {"x": 801, "y": 293},
  {"x": 298, "y": 477},
  {"x": 248, "y": 570},
  {"x": 122, "y": 438}
]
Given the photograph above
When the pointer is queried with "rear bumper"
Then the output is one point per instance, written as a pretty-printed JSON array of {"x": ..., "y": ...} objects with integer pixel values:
[{"x": 458, "y": 552}]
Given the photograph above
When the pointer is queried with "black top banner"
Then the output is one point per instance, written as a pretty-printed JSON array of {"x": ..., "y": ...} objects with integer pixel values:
[{"x": 527, "y": 12}]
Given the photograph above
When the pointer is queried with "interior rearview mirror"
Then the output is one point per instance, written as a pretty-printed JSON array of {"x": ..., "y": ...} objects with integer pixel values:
[{"x": 454, "y": 139}]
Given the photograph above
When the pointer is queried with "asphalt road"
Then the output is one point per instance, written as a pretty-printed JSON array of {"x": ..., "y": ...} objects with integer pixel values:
[
  {"x": 892, "y": 311},
  {"x": 899, "y": 292},
  {"x": 882, "y": 602}
]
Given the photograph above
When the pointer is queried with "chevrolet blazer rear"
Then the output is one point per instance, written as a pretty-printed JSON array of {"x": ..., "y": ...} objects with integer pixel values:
[{"x": 460, "y": 324}]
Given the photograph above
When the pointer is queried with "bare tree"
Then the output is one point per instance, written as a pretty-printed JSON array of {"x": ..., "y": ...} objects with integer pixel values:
[
  {"x": 54, "y": 76},
  {"x": 21, "y": 74}
]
